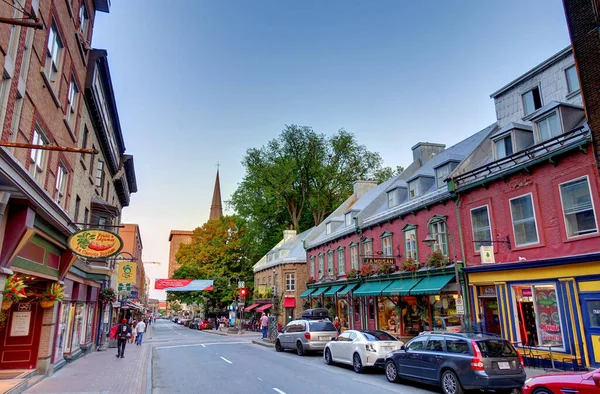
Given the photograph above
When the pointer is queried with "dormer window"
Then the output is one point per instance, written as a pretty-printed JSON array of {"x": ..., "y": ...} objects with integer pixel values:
[
  {"x": 503, "y": 147},
  {"x": 393, "y": 197},
  {"x": 414, "y": 189},
  {"x": 572, "y": 80},
  {"x": 328, "y": 228},
  {"x": 532, "y": 100},
  {"x": 348, "y": 219},
  {"x": 441, "y": 173},
  {"x": 548, "y": 127}
]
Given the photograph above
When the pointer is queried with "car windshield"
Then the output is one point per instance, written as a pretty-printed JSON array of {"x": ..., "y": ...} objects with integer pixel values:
[
  {"x": 496, "y": 348},
  {"x": 378, "y": 336},
  {"x": 321, "y": 326}
]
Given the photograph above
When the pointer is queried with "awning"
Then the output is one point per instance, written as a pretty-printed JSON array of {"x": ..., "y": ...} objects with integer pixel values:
[
  {"x": 344, "y": 292},
  {"x": 431, "y": 285},
  {"x": 307, "y": 292},
  {"x": 400, "y": 287},
  {"x": 319, "y": 291},
  {"x": 371, "y": 288},
  {"x": 334, "y": 289},
  {"x": 264, "y": 307},
  {"x": 248, "y": 309},
  {"x": 289, "y": 302}
]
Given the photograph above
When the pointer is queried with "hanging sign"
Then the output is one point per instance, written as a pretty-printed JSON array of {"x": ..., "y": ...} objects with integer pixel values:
[
  {"x": 95, "y": 243},
  {"x": 126, "y": 273},
  {"x": 487, "y": 254},
  {"x": 182, "y": 284}
]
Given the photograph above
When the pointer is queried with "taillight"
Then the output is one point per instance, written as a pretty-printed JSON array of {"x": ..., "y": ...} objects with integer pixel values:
[
  {"x": 307, "y": 336},
  {"x": 477, "y": 361},
  {"x": 370, "y": 348},
  {"x": 521, "y": 360}
]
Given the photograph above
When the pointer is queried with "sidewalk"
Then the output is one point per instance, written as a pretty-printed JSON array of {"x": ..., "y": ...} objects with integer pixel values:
[{"x": 102, "y": 372}]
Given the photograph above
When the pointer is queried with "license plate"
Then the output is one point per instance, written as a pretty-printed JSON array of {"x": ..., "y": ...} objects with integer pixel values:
[
  {"x": 324, "y": 338},
  {"x": 503, "y": 365},
  {"x": 386, "y": 348}
]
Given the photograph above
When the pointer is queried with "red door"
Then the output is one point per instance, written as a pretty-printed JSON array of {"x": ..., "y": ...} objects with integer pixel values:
[{"x": 21, "y": 336}]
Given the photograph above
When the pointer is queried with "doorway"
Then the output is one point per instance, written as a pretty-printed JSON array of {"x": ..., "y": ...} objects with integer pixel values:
[
  {"x": 590, "y": 304},
  {"x": 21, "y": 339},
  {"x": 491, "y": 316}
]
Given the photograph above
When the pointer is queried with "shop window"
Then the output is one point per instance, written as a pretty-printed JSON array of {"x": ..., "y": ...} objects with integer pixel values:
[
  {"x": 410, "y": 242},
  {"x": 357, "y": 309},
  {"x": 386, "y": 245},
  {"x": 330, "y": 263},
  {"x": 415, "y": 317},
  {"x": 341, "y": 261},
  {"x": 371, "y": 309},
  {"x": 443, "y": 311},
  {"x": 62, "y": 337},
  {"x": 578, "y": 210},
  {"x": 388, "y": 314},
  {"x": 523, "y": 220},
  {"x": 90, "y": 323},
  {"x": 593, "y": 307},
  {"x": 538, "y": 315},
  {"x": 482, "y": 231},
  {"x": 78, "y": 326},
  {"x": 437, "y": 229}
]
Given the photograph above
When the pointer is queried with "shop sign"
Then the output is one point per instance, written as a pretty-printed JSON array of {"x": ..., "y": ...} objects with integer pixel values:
[
  {"x": 95, "y": 243},
  {"x": 488, "y": 290},
  {"x": 487, "y": 254},
  {"x": 379, "y": 260},
  {"x": 526, "y": 293},
  {"x": 126, "y": 272},
  {"x": 20, "y": 324}
]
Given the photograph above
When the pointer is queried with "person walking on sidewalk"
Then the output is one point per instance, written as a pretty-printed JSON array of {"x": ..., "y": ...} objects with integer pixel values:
[
  {"x": 264, "y": 323},
  {"x": 123, "y": 334},
  {"x": 140, "y": 328}
]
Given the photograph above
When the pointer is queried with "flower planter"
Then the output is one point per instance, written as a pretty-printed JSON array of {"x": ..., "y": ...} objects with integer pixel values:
[
  {"x": 46, "y": 304},
  {"x": 6, "y": 304}
]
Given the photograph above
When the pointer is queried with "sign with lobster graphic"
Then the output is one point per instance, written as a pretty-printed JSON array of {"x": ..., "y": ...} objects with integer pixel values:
[{"x": 95, "y": 244}]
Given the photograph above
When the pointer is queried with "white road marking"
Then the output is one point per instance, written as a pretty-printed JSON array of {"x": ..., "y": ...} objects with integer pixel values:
[
  {"x": 203, "y": 345},
  {"x": 200, "y": 344},
  {"x": 279, "y": 391},
  {"x": 227, "y": 361},
  {"x": 259, "y": 378}
]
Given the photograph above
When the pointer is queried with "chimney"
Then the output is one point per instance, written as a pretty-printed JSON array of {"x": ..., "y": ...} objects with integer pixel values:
[
  {"x": 424, "y": 151},
  {"x": 288, "y": 233},
  {"x": 361, "y": 187}
]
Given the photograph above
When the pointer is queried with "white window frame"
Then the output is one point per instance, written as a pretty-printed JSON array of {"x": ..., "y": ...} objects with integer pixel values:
[
  {"x": 562, "y": 206},
  {"x": 54, "y": 52},
  {"x": 83, "y": 19},
  {"x": 354, "y": 257},
  {"x": 387, "y": 246},
  {"x": 512, "y": 220},
  {"x": 62, "y": 181},
  {"x": 330, "y": 262},
  {"x": 502, "y": 139},
  {"x": 409, "y": 251},
  {"x": 569, "y": 88},
  {"x": 393, "y": 198},
  {"x": 530, "y": 91},
  {"x": 348, "y": 219},
  {"x": 39, "y": 157},
  {"x": 72, "y": 103},
  {"x": 341, "y": 261},
  {"x": 545, "y": 118},
  {"x": 312, "y": 267},
  {"x": 416, "y": 189},
  {"x": 441, "y": 237},
  {"x": 368, "y": 248},
  {"x": 321, "y": 260},
  {"x": 441, "y": 176},
  {"x": 487, "y": 209},
  {"x": 328, "y": 228},
  {"x": 290, "y": 281}
]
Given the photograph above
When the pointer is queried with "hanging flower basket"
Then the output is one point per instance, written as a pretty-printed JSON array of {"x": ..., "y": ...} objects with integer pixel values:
[
  {"x": 51, "y": 295},
  {"x": 352, "y": 274},
  {"x": 46, "y": 304},
  {"x": 107, "y": 295},
  {"x": 437, "y": 260},
  {"x": 14, "y": 291},
  {"x": 410, "y": 265},
  {"x": 6, "y": 304}
]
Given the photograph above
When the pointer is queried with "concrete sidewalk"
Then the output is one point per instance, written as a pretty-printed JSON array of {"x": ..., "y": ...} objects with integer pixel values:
[{"x": 102, "y": 372}]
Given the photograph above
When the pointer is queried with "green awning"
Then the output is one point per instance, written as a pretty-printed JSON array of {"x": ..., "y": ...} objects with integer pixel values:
[
  {"x": 431, "y": 285},
  {"x": 319, "y": 291},
  {"x": 400, "y": 287},
  {"x": 344, "y": 292},
  {"x": 307, "y": 292},
  {"x": 371, "y": 288},
  {"x": 334, "y": 289}
]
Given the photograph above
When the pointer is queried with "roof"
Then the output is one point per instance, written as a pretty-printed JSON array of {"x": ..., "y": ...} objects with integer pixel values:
[
  {"x": 548, "y": 107},
  {"x": 297, "y": 253},
  {"x": 179, "y": 232},
  {"x": 510, "y": 126}
]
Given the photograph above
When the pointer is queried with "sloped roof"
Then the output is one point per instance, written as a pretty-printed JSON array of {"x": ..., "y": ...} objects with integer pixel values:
[{"x": 297, "y": 253}]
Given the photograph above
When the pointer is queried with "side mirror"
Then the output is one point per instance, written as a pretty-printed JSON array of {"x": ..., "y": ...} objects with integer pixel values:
[
  {"x": 334, "y": 339},
  {"x": 403, "y": 347},
  {"x": 596, "y": 378}
]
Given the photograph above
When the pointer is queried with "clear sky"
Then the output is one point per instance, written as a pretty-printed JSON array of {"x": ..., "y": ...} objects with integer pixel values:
[{"x": 198, "y": 82}]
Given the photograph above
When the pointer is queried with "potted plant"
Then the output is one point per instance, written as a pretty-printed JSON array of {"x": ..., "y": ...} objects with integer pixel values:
[
  {"x": 410, "y": 265},
  {"x": 51, "y": 295},
  {"x": 310, "y": 280},
  {"x": 14, "y": 291},
  {"x": 107, "y": 295},
  {"x": 352, "y": 274},
  {"x": 387, "y": 268},
  {"x": 437, "y": 260},
  {"x": 366, "y": 270}
]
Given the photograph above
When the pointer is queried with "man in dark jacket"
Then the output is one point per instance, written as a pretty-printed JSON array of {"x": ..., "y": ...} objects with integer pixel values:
[{"x": 123, "y": 334}]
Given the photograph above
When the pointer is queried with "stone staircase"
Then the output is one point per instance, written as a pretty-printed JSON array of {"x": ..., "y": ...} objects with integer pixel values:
[{"x": 16, "y": 381}]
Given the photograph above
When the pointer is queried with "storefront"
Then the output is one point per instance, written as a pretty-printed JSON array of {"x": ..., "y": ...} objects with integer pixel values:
[{"x": 542, "y": 305}]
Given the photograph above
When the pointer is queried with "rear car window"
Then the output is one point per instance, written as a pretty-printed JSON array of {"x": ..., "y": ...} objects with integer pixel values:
[
  {"x": 378, "y": 336},
  {"x": 457, "y": 346},
  {"x": 321, "y": 326},
  {"x": 496, "y": 348}
]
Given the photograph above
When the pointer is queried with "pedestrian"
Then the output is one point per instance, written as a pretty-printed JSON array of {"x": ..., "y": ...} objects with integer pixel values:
[
  {"x": 264, "y": 323},
  {"x": 140, "y": 328},
  {"x": 123, "y": 334},
  {"x": 336, "y": 323},
  {"x": 133, "y": 325},
  {"x": 216, "y": 323}
]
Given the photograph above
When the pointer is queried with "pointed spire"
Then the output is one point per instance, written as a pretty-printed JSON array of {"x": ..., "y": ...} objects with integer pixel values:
[{"x": 216, "y": 208}]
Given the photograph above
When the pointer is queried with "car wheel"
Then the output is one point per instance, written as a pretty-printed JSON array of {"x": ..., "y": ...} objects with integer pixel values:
[
  {"x": 356, "y": 363},
  {"x": 542, "y": 390},
  {"x": 328, "y": 359},
  {"x": 391, "y": 373},
  {"x": 450, "y": 383},
  {"x": 299, "y": 349},
  {"x": 278, "y": 346}
]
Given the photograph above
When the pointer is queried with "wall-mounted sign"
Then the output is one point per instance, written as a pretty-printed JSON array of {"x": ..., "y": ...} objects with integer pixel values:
[
  {"x": 95, "y": 243},
  {"x": 19, "y": 326},
  {"x": 379, "y": 260},
  {"x": 487, "y": 254},
  {"x": 183, "y": 284},
  {"x": 487, "y": 291},
  {"x": 126, "y": 272}
]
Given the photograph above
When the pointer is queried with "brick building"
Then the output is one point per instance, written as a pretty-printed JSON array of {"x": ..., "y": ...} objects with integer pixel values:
[
  {"x": 56, "y": 91},
  {"x": 132, "y": 244}
]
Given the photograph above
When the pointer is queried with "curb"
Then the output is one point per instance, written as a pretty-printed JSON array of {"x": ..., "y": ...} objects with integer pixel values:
[
  {"x": 149, "y": 372},
  {"x": 215, "y": 333},
  {"x": 263, "y": 343}
]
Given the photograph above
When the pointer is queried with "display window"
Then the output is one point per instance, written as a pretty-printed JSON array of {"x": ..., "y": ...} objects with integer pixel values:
[
  {"x": 78, "y": 325},
  {"x": 91, "y": 309},
  {"x": 62, "y": 337},
  {"x": 538, "y": 315},
  {"x": 443, "y": 310},
  {"x": 415, "y": 315},
  {"x": 388, "y": 312},
  {"x": 342, "y": 313}
]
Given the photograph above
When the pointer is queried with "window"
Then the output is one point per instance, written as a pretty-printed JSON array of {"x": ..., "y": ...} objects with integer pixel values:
[
  {"x": 72, "y": 101},
  {"x": 348, "y": 219},
  {"x": 330, "y": 263},
  {"x": 410, "y": 243},
  {"x": 77, "y": 204},
  {"x": 91, "y": 169},
  {"x": 435, "y": 344},
  {"x": 270, "y": 281},
  {"x": 290, "y": 281},
  {"x": 414, "y": 189},
  {"x": 572, "y": 79},
  {"x": 107, "y": 189},
  {"x": 504, "y": 147},
  {"x": 438, "y": 230},
  {"x": 386, "y": 245},
  {"x": 548, "y": 127},
  {"x": 354, "y": 257},
  {"x": 61, "y": 184},
  {"x": 100, "y": 176},
  {"x": 368, "y": 247},
  {"x": 102, "y": 222},
  {"x": 53, "y": 57},
  {"x": 38, "y": 157},
  {"x": 578, "y": 209},
  {"x": 341, "y": 261},
  {"x": 480, "y": 222},
  {"x": 83, "y": 20},
  {"x": 532, "y": 101},
  {"x": 15, "y": 33},
  {"x": 523, "y": 220},
  {"x": 328, "y": 227},
  {"x": 26, "y": 54},
  {"x": 321, "y": 265},
  {"x": 393, "y": 198},
  {"x": 84, "y": 140},
  {"x": 442, "y": 173},
  {"x": 86, "y": 217},
  {"x": 4, "y": 93},
  {"x": 312, "y": 267},
  {"x": 457, "y": 346},
  {"x": 416, "y": 344},
  {"x": 14, "y": 124}
]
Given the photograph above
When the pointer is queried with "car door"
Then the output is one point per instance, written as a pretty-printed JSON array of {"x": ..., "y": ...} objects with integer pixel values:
[
  {"x": 337, "y": 347},
  {"x": 349, "y": 346},
  {"x": 433, "y": 357},
  {"x": 286, "y": 338},
  {"x": 409, "y": 361}
]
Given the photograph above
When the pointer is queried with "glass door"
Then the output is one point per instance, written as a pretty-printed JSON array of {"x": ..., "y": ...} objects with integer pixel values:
[{"x": 591, "y": 320}]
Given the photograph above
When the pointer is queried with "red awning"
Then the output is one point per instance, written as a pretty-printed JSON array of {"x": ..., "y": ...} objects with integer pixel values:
[
  {"x": 289, "y": 302},
  {"x": 264, "y": 307},
  {"x": 248, "y": 309}
]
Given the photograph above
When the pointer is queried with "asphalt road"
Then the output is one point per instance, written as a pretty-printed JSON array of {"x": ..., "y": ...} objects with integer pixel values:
[{"x": 191, "y": 361}]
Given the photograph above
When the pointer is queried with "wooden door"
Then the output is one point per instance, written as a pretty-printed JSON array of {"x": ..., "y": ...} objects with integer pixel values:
[{"x": 21, "y": 336}]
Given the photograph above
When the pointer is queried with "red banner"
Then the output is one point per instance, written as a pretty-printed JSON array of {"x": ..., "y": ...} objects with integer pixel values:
[{"x": 161, "y": 284}]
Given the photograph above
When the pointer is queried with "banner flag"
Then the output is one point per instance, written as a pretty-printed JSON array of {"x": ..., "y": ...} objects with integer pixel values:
[{"x": 183, "y": 284}]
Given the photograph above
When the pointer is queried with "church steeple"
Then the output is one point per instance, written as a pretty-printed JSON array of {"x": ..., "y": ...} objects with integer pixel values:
[{"x": 216, "y": 208}]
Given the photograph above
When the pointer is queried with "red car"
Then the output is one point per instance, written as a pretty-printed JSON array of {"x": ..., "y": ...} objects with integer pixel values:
[
  {"x": 564, "y": 383},
  {"x": 206, "y": 325}
]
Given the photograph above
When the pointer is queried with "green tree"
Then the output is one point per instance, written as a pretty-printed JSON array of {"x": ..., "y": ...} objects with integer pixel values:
[{"x": 386, "y": 173}]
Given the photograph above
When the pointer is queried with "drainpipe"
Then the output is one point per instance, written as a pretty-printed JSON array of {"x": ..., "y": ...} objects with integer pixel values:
[{"x": 465, "y": 293}]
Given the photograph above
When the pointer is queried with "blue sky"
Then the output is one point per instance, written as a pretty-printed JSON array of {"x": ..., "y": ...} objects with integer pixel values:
[{"x": 199, "y": 82}]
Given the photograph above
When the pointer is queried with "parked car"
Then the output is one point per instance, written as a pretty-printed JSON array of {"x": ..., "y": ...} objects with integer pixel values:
[
  {"x": 458, "y": 362},
  {"x": 361, "y": 348},
  {"x": 193, "y": 324},
  {"x": 176, "y": 319},
  {"x": 206, "y": 325},
  {"x": 564, "y": 382},
  {"x": 183, "y": 321},
  {"x": 311, "y": 333}
]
